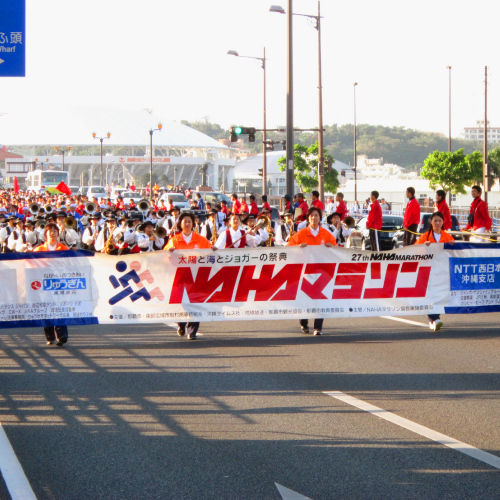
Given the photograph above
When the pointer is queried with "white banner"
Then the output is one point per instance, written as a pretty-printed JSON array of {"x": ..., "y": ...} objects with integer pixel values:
[{"x": 240, "y": 284}]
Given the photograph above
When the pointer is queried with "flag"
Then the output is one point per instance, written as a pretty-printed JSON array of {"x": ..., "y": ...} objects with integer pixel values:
[
  {"x": 63, "y": 187},
  {"x": 16, "y": 186}
]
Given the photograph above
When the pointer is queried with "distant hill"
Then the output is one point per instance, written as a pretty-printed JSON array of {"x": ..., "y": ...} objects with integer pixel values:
[{"x": 404, "y": 147}]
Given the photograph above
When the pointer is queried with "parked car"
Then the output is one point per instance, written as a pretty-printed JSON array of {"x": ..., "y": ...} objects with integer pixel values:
[
  {"x": 213, "y": 197},
  {"x": 389, "y": 238},
  {"x": 128, "y": 196},
  {"x": 75, "y": 190},
  {"x": 83, "y": 190},
  {"x": 96, "y": 192},
  {"x": 177, "y": 199},
  {"x": 275, "y": 212},
  {"x": 423, "y": 226}
]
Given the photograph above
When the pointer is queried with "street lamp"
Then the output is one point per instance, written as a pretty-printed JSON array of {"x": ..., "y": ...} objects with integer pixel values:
[
  {"x": 108, "y": 135},
  {"x": 264, "y": 156},
  {"x": 355, "y": 151},
  {"x": 289, "y": 101},
  {"x": 63, "y": 149},
  {"x": 151, "y": 159}
]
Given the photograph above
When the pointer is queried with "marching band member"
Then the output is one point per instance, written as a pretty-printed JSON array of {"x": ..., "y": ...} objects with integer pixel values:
[
  {"x": 149, "y": 241},
  {"x": 210, "y": 225},
  {"x": 52, "y": 332},
  {"x": 106, "y": 241},
  {"x": 313, "y": 234},
  {"x": 187, "y": 239},
  {"x": 170, "y": 223},
  {"x": 339, "y": 230},
  {"x": 16, "y": 235},
  {"x": 261, "y": 235},
  {"x": 91, "y": 233},
  {"x": 235, "y": 237},
  {"x": 32, "y": 238},
  {"x": 5, "y": 232},
  {"x": 67, "y": 236}
]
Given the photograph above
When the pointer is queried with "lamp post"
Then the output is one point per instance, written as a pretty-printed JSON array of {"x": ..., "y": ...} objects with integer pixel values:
[
  {"x": 264, "y": 156},
  {"x": 108, "y": 135},
  {"x": 289, "y": 100},
  {"x": 449, "y": 108},
  {"x": 151, "y": 160},
  {"x": 63, "y": 149},
  {"x": 355, "y": 151}
]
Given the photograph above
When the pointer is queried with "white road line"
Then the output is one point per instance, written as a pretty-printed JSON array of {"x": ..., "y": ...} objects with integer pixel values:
[
  {"x": 287, "y": 494},
  {"x": 409, "y": 321},
  {"x": 12, "y": 472},
  {"x": 467, "y": 449}
]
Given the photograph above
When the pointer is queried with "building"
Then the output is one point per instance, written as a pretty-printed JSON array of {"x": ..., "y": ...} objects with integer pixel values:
[
  {"x": 477, "y": 133},
  {"x": 178, "y": 150}
]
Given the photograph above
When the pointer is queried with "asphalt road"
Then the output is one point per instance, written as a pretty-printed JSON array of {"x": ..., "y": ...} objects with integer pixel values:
[{"x": 139, "y": 413}]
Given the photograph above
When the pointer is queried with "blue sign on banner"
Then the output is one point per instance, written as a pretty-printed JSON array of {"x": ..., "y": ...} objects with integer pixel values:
[
  {"x": 475, "y": 273},
  {"x": 12, "y": 37}
]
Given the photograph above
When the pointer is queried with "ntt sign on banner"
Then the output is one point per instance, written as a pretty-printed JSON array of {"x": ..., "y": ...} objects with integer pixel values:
[{"x": 239, "y": 284}]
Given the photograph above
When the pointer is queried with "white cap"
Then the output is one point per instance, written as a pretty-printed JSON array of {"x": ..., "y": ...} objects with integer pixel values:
[{"x": 102, "y": 205}]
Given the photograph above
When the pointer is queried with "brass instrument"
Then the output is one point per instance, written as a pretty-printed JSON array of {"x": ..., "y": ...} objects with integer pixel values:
[
  {"x": 215, "y": 236},
  {"x": 91, "y": 208},
  {"x": 196, "y": 228},
  {"x": 143, "y": 206},
  {"x": 70, "y": 223},
  {"x": 160, "y": 232},
  {"x": 264, "y": 220},
  {"x": 109, "y": 246},
  {"x": 40, "y": 224},
  {"x": 34, "y": 208},
  {"x": 48, "y": 208},
  {"x": 290, "y": 230}
]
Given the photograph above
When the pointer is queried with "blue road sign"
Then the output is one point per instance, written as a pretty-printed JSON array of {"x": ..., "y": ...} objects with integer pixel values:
[{"x": 13, "y": 38}]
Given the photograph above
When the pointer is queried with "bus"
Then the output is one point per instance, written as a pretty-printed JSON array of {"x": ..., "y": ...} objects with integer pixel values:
[{"x": 46, "y": 180}]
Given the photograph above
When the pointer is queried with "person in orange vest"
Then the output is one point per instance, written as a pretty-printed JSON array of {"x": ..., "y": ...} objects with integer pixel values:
[
  {"x": 313, "y": 234},
  {"x": 435, "y": 234},
  {"x": 187, "y": 239},
  {"x": 52, "y": 332}
]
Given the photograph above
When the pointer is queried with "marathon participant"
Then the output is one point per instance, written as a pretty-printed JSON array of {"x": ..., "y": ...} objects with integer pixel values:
[
  {"x": 59, "y": 333},
  {"x": 302, "y": 204},
  {"x": 316, "y": 202},
  {"x": 313, "y": 234},
  {"x": 435, "y": 234},
  {"x": 411, "y": 218},
  {"x": 187, "y": 239},
  {"x": 341, "y": 206},
  {"x": 253, "y": 209},
  {"x": 236, "y": 204}
]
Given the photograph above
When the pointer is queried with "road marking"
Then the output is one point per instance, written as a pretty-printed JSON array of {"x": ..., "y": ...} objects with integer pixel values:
[
  {"x": 409, "y": 321},
  {"x": 453, "y": 443},
  {"x": 287, "y": 494},
  {"x": 12, "y": 471}
]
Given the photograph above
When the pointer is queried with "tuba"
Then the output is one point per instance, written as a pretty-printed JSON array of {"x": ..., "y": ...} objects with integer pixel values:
[
  {"x": 70, "y": 223},
  {"x": 143, "y": 206},
  {"x": 48, "y": 208},
  {"x": 34, "y": 208},
  {"x": 90, "y": 208}
]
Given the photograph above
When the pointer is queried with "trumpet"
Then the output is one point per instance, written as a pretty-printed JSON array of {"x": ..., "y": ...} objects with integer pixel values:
[{"x": 34, "y": 208}]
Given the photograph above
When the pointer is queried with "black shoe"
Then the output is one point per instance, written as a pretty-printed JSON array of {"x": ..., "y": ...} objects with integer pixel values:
[
  {"x": 181, "y": 331},
  {"x": 61, "y": 341},
  {"x": 49, "y": 342},
  {"x": 192, "y": 336},
  {"x": 305, "y": 329}
]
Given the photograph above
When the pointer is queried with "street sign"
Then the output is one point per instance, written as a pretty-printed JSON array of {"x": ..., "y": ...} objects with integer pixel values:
[{"x": 12, "y": 38}]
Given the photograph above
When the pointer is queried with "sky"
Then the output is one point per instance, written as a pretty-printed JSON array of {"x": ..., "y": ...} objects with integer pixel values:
[{"x": 171, "y": 56}]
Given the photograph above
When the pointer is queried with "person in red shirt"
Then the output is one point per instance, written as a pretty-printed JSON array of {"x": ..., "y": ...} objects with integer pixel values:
[
  {"x": 236, "y": 204},
  {"x": 243, "y": 204},
  {"x": 132, "y": 186},
  {"x": 374, "y": 220},
  {"x": 316, "y": 202},
  {"x": 303, "y": 206},
  {"x": 411, "y": 218},
  {"x": 479, "y": 218},
  {"x": 224, "y": 208},
  {"x": 265, "y": 204},
  {"x": 442, "y": 206},
  {"x": 288, "y": 202},
  {"x": 254, "y": 209},
  {"x": 341, "y": 206}
]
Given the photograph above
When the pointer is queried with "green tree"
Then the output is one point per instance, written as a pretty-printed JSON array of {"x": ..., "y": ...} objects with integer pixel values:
[
  {"x": 306, "y": 168},
  {"x": 452, "y": 171}
]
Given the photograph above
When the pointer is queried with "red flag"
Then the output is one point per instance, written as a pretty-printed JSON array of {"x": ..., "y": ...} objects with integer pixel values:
[
  {"x": 63, "y": 187},
  {"x": 16, "y": 186}
]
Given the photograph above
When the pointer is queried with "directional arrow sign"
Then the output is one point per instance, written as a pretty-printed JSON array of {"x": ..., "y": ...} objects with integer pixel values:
[
  {"x": 287, "y": 494},
  {"x": 13, "y": 37}
]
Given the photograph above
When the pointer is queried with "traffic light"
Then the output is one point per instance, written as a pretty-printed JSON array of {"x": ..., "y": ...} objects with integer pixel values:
[
  {"x": 283, "y": 145},
  {"x": 236, "y": 131},
  {"x": 261, "y": 173},
  {"x": 342, "y": 173},
  {"x": 269, "y": 145}
]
